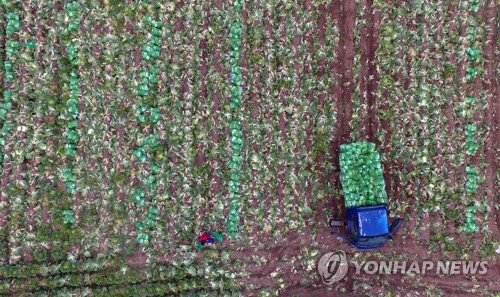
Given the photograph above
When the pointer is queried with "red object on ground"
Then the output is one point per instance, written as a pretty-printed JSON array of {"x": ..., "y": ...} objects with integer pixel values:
[{"x": 204, "y": 237}]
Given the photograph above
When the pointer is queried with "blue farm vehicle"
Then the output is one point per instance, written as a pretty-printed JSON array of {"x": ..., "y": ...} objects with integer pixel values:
[{"x": 365, "y": 198}]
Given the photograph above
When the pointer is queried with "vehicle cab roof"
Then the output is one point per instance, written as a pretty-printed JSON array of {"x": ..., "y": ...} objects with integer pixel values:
[{"x": 372, "y": 220}]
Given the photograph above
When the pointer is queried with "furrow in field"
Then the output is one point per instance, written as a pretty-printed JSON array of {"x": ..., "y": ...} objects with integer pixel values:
[
  {"x": 13, "y": 162},
  {"x": 358, "y": 121},
  {"x": 216, "y": 99},
  {"x": 253, "y": 48},
  {"x": 480, "y": 160},
  {"x": 201, "y": 137},
  {"x": 492, "y": 112}
]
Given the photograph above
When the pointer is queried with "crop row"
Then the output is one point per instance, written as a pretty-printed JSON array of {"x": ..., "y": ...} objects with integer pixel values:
[
  {"x": 236, "y": 139},
  {"x": 424, "y": 92},
  {"x": 473, "y": 55},
  {"x": 117, "y": 277}
]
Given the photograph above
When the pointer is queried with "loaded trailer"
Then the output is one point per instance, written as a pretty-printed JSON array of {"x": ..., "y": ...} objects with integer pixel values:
[{"x": 365, "y": 198}]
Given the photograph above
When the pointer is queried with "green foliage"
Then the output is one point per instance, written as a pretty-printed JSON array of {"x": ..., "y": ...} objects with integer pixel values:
[
  {"x": 130, "y": 127},
  {"x": 362, "y": 180}
]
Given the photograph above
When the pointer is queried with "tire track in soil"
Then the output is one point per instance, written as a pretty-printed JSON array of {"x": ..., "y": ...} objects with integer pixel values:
[
  {"x": 393, "y": 184},
  {"x": 338, "y": 12},
  {"x": 339, "y": 15},
  {"x": 348, "y": 15},
  {"x": 273, "y": 252},
  {"x": 397, "y": 165},
  {"x": 334, "y": 94},
  {"x": 343, "y": 14},
  {"x": 337, "y": 141},
  {"x": 373, "y": 21},
  {"x": 363, "y": 77}
]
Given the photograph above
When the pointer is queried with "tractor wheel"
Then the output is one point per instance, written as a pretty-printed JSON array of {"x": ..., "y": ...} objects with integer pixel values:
[
  {"x": 336, "y": 223},
  {"x": 339, "y": 176}
]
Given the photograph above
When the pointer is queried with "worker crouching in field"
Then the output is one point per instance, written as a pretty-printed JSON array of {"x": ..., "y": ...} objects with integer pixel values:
[{"x": 208, "y": 237}]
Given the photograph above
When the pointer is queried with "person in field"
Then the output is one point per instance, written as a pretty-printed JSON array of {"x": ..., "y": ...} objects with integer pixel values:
[{"x": 208, "y": 237}]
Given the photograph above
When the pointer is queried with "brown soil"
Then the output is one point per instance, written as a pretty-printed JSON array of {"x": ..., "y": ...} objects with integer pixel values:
[
  {"x": 278, "y": 251},
  {"x": 490, "y": 83},
  {"x": 414, "y": 245}
]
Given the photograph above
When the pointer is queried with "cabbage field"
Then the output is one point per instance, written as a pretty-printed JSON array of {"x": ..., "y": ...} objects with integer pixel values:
[{"x": 129, "y": 128}]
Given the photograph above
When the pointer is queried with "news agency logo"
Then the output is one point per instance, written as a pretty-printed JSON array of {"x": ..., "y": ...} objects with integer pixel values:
[{"x": 333, "y": 266}]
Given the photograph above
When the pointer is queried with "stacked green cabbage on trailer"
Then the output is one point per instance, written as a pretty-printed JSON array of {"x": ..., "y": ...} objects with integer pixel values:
[{"x": 362, "y": 180}]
